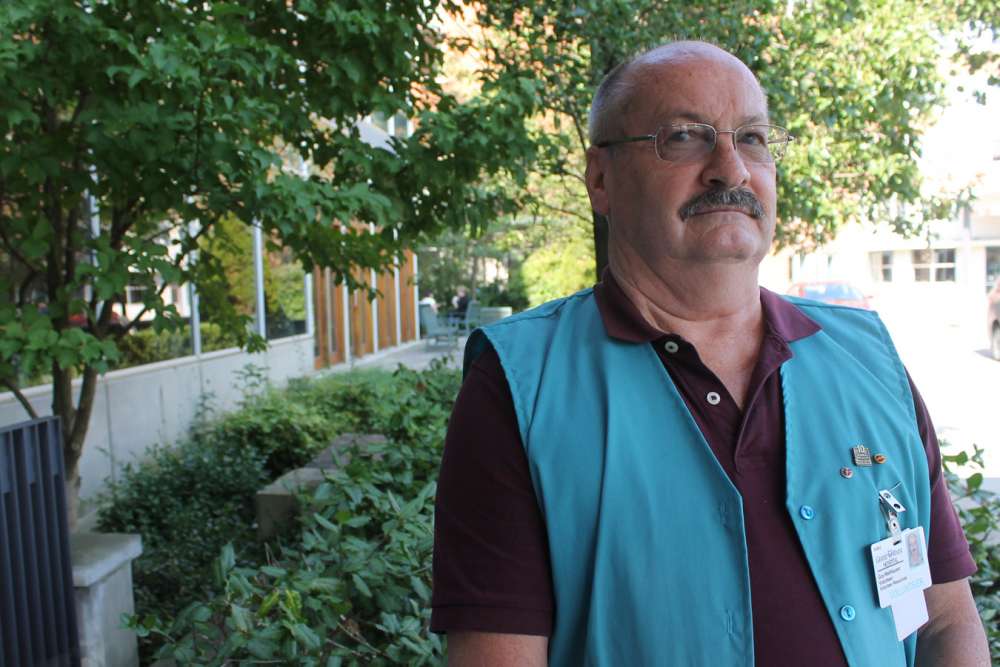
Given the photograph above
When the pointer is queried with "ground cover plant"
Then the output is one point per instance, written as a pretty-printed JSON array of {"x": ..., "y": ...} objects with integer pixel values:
[
  {"x": 979, "y": 512},
  {"x": 190, "y": 500}
]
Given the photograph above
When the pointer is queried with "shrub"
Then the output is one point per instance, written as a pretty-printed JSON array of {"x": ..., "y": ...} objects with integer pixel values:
[
  {"x": 186, "y": 502},
  {"x": 189, "y": 501},
  {"x": 287, "y": 433},
  {"x": 356, "y": 587},
  {"x": 979, "y": 512},
  {"x": 146, "y": 346}
]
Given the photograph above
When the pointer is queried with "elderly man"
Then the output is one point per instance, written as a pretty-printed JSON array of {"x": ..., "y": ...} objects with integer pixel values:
[{"x": 678, "y": 467}]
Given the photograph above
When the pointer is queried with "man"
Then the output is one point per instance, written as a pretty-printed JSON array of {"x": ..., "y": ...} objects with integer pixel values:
[{"x": 678, "y": 467}]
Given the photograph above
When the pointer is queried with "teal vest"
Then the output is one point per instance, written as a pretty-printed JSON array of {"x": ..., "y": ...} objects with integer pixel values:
[{"x": 646, "y": 536}]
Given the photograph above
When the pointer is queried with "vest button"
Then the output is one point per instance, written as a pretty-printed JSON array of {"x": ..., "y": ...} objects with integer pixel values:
[
  {"x": 847, "y": 613},
  {"x": 807, "y": 512}
]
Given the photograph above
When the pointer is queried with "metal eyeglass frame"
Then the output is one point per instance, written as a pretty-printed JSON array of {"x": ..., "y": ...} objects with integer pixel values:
[{"x": 788, "y": 138}]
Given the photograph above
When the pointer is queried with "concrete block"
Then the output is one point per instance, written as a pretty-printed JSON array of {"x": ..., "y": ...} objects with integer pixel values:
[
  {"x": 102, "y": 579},
  {"x": 276, "y": 503}
]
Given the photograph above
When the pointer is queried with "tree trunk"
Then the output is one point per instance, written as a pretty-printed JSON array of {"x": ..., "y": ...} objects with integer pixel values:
[
  {"x": 74, "y": 421},
  {"x": 72, "y": 496},
  {"x": 600, "y": 244}
]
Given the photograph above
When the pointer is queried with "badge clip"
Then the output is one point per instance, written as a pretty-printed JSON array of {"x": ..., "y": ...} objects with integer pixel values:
[{"x": 891, "y": 509}]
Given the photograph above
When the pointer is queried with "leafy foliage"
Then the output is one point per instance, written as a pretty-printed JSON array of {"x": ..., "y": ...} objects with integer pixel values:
[
  {"x": 556, "y": 270},
  {"x": 979, "y": 511},
  {"x": 357, "y": 587},
  {"x": 147, "y": 346},
  {"x": 133, "y": 127},
  {"x": 190, "y": 501},
  {"x": 854, "y": 84}
]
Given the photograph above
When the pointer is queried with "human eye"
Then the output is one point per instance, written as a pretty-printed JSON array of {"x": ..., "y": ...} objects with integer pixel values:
[
  {"x": 755, "y": 135},
  {"x": 679, "y": 134}
]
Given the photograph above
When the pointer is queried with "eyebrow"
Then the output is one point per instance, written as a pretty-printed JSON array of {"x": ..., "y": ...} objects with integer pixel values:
[{"x": 694, "y": 117}]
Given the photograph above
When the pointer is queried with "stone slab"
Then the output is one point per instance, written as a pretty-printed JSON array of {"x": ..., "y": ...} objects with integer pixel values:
[
  {"x": 277, "y": 505},
  {"x": 95, "y": 556}
]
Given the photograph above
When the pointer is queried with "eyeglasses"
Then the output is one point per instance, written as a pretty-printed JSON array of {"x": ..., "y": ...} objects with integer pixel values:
[{"x": 691, "y": 142}]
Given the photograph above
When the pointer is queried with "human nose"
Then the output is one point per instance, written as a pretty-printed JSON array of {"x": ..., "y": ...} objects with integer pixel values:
[{"x": 725, "y": 167}]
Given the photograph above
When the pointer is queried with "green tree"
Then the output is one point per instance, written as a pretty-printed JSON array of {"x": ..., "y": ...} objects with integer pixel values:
[
  {"x": 854, "y": 81},
  {"x": 167, "y": 112}
]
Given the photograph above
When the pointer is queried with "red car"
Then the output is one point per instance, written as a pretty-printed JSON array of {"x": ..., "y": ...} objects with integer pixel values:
[
  {"x": 993, "y": 320},
  {"x": 831, "y": 291}
]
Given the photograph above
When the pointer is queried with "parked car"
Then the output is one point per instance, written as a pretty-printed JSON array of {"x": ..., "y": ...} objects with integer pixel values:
[
  {"x": 993, "y": 320},
  {"x": 831, "y": 291}
]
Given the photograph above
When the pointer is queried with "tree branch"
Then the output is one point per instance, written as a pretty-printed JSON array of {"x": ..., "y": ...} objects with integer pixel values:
[
  {"x": 80, "y": 105},
  {"x": 564, "y": 211},
  {"x": 580, "y": 134},
  {"x": 21, "y": 398},
  {"x": 145, "y": 309},
  {"x": 22, "y": 291},
  {"x": 13, "y": 250}
]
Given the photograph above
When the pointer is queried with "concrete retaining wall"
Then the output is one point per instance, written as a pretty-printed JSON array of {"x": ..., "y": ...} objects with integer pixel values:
[{"x": 137, "y": 407}]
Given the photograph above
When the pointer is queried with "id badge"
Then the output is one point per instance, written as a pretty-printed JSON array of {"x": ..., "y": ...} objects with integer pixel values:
[{"x": 901, "y": 575}]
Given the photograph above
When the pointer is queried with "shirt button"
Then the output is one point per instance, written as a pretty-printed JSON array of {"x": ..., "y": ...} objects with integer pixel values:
[
  {"x": 713, "y": 398},
  {"x": 807, "y": 512},
  {"x": 671, "y": 346},
  {"x": 847, "y": 613}
]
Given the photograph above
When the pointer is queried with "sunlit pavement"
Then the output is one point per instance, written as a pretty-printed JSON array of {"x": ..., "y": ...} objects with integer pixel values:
[
  {"x": 946, "y": 353},
  {"x": 417, "y": 356}
]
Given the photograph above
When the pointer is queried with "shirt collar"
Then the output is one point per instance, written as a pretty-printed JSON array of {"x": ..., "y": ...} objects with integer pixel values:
[{"x": 622, "y": 319}]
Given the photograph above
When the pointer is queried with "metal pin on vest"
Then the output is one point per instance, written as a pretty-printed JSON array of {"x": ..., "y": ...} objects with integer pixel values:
[{"x": 862, "y": 456}]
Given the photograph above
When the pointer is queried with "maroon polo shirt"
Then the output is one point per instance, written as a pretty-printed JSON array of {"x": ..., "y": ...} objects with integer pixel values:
[{"x": 491, "y": 560}]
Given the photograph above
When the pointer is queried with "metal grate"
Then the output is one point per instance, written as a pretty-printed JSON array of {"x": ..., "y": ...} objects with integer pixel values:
[{"x": 37, "y": 605}]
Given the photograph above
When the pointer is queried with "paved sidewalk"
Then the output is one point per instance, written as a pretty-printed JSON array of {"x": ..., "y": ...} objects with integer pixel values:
[{"x": 417, "y": 355}]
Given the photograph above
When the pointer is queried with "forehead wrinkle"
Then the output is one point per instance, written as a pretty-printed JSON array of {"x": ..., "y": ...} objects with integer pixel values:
[
  {"x": 647, "y": 77},
  {"x": 687, "y": 116}
]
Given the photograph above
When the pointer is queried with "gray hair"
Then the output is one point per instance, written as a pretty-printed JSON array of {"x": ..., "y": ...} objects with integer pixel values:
[{"x": 610, "y": 101}]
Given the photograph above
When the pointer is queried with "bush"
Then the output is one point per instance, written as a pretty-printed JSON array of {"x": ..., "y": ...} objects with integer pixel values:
[
  {"x": 190, "y": 501},
  {"x": 286, "y": 433},
  {"x": 186, "y": 502},
  {"x": 357, "y": 586},
  {"x": 979, "y": 512},
  {"x": 147, "y": 346},
  {"x": 514, "y": 294}
]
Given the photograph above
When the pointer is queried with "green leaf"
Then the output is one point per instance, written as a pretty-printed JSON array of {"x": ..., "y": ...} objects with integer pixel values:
[
  {"x": 974, "y": 482},
  {"x": 360, "y": 585},
  {"x": 305, "y": 636},
  {"x": 321, "y": 520},
  {"x": 241, "y": 618}
]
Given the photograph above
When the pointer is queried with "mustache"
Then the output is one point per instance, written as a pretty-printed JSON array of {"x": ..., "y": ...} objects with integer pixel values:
[{"x": 740, "y": 198}]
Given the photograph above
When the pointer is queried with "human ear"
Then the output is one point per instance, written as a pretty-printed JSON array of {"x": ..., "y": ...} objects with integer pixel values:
[{"x": 597, "y": 164}]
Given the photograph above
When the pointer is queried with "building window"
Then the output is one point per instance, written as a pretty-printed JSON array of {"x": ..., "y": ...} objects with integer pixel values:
[
  {"x": 882, "y": 266},
  {"x": 944, "y": 265},
  {"x": 399, "y": 125},
  {"x": 934, "y": 265},
  {"x": 135, "y": 293},
  {"x": 992, "y": 266},
  {"x": 380, "y": 121}
]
